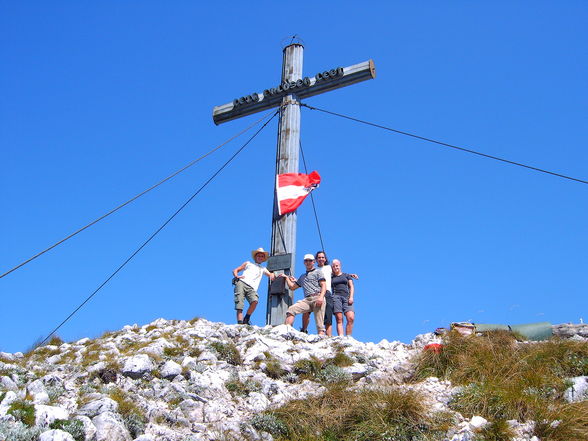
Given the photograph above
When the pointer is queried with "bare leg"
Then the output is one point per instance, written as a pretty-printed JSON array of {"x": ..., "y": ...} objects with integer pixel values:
[
  {"x": 305, "y": 320},
  {"x": 252, "y": 307},
  {"x": 339, "y": 318},
  {"x": 289, "y": 319},
  {"x": 350, "y": 315},
  {"x": 329, "y": 330},
  {"x": 239, "y": 315}
]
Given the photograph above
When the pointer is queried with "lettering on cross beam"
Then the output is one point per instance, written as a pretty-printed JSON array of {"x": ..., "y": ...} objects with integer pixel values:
[
  {"x": 289, "y": 87},
  {"x": 303, "y": 88}
]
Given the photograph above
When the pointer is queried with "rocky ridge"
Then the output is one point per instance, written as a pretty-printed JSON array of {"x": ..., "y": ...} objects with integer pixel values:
[{"x": 197, "y": 380}]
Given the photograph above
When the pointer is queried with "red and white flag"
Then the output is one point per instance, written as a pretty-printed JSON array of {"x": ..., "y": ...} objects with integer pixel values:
[{"x": 292, "y": 188}]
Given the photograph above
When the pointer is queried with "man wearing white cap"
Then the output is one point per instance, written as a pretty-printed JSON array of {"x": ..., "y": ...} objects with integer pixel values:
[
  {"x": 314, "y": 286},
  {"x": 246, "y": 284}
]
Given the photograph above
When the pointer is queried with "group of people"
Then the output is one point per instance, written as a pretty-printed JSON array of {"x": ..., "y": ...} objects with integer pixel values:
[{"x": 327, "y": 291}]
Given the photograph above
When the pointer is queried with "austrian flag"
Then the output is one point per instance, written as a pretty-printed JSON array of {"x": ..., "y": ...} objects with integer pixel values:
[{"x": 292, "y": 188}]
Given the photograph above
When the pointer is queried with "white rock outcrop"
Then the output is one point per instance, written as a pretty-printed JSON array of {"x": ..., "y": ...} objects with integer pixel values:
[{"x": 186, "y": 381}]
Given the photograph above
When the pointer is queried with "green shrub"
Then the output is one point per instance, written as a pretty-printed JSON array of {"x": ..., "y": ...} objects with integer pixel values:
[
  {"x": 74, "y": 427},
  {"x": 341, "y": 359},
  {"x": 243, "y": 388},
  {"x": 227, "y": 352},
  {"x": 135, "y": 424},
  {"x": 308, "y": 368},
  {"x": 172, "y": 352},
  {"x": 131, "y": 413},
  {"x": 324, "y": 371},
  {"x": 333, "y": 374},
  {"x": 269, "y": 423},
  {"x": 23, "y": 411},
  {"x": 18, "y": 432},
  {"x": 273, "y": 369}
]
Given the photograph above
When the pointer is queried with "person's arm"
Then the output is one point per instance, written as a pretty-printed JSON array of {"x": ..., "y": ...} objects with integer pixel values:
[
  {"x": 239, "y": 269},
  {"x": 290, "y": 281},
  {"x": 355, "y": 276},
  {"x": 351, "y": 291},
  {"x": 321, "y": 298},
  {"x": 269, "y": 274}
]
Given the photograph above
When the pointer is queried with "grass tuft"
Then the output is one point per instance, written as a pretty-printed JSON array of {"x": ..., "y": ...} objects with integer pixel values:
[
  {"x": 132, "y": 415},
  {"x": 74, "y": 427},
  {"x": 367, "y": 415},
  {"x": 23, "y": 411},
  {"x": 227, "y": 352},
  {"x": 498, "y": 430},
  {"x": 502, "y": 379}
]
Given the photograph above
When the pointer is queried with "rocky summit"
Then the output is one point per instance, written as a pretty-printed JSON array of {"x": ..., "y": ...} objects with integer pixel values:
[{"x": 198, "y": 380}]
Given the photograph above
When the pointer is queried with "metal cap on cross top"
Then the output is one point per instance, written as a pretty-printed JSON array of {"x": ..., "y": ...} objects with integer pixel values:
[{"x": 292, "y": 88}]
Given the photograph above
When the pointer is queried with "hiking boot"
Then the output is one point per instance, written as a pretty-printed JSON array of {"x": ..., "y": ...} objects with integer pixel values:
[
  {"x": 239, "y": 322},
  {"x": 304, "y": 330},
  {"x": 246, "y": 320}
]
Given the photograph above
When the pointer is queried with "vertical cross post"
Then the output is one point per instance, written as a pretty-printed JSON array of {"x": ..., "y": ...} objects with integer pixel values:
[
  {"x": 283, "y": 238},
  {"x": 287, "y": 96}
]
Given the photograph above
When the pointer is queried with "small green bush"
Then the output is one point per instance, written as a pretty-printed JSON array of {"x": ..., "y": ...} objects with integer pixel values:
[
  {"x": 308, "y": 367},
  {"x": 243, "y": 388},
  {"x": 131, "y": 413},
  {"x": 266, "y": 422},
  {"x": 135, "y": 424},
  {"x": 333, "y": 374},
  {"x": 273, "y": 369},
  {"x": 173, "y": 352},
  {"x": 227, "y": 352},
  {"x": 341, "y": 359},
  {"x": 74, "y": 427},
  {"x": 18, "y": 432},
  {"x": 23, "y": 411}
]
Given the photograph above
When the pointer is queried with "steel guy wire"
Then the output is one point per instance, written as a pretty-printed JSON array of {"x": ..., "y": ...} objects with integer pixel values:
[
  {"x": 463, "y": 149},
  {"x": 174, "y": 174},
  {"x": 157, "y": 231}
]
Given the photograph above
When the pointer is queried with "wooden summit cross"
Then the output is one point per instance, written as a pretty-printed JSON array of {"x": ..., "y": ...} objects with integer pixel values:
[{"x": 293, "y": 88}]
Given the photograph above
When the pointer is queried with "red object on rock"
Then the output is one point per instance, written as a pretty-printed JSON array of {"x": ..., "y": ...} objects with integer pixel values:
[{"x": 434, "y": 347}]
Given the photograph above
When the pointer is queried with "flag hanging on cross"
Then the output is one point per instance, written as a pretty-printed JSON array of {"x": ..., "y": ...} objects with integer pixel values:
[{"x": 292, "y": 189}]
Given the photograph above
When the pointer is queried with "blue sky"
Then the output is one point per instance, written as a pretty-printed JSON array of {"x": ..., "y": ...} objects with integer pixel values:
[{"x": 102, "y": 100}]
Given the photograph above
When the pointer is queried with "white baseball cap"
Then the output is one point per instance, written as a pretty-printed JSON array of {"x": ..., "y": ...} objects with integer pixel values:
[{"x": 309, "y": 257}]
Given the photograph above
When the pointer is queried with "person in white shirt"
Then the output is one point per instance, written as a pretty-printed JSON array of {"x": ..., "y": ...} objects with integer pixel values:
[{"x": 246, "y": 284}]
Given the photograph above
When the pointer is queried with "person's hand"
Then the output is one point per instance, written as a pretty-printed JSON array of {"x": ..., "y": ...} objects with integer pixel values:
[
  {"x": 354, "y": 276},
  {"x": 319, "y": 301},
  {"x": 350, "y": 301},
  {"x": 238, "y": 277}
]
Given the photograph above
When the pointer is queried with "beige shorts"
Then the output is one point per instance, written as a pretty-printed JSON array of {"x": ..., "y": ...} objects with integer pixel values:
[
  {"x": 243, "y": 291},
  {"x": 308, "y": 304}
]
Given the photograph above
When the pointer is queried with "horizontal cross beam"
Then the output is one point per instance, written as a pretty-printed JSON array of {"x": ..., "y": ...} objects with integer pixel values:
[{"x": 302, "y": 88}]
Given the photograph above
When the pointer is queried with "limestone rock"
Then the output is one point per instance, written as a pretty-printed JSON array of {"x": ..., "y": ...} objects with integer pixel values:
[
  {"x": 109, "y": 427},
  {"x": 8, "y": 383},
  {"x": 45, "y": 415},
  {"x": 170, "y": 369},
  {"x": 56, "y": 435},
  {"x": 138, "y": 366},
  {"x": 97, "y": 407},
  {"x": 578, "y": 391}
]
